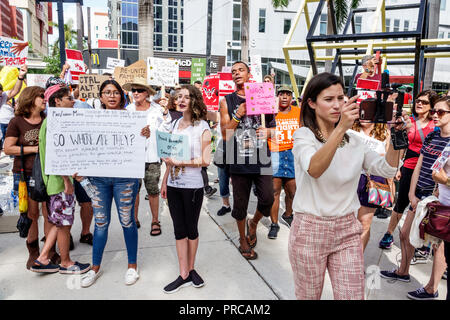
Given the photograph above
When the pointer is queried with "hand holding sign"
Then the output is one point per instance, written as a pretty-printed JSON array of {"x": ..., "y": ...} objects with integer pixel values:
[{"x": 260, "y": 98}]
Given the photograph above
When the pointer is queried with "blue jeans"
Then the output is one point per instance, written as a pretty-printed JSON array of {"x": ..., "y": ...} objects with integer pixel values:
[
  {"x": 224, "y": 181},
  {"x": 124, "y": 192},
  {"x": 3, "y": 127}
]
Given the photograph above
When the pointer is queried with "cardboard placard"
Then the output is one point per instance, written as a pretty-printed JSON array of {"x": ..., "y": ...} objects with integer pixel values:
[
  {"x": 13, "y": 53},
  {"x": 39, "y": 80},
  {"x": 76, "y": 63},
  {"x": 174, "y": 146},
  {"x": 260, "y": 98},
  {"x": 127, "y": 74},
  {"x": 163, "y": 72},
  {"x": 95, "y": 143},
  {"x": 112, "y": 63},
  {"x": 90, "y": 85},
  {"x": 210, "y": 91},
  {"x": 256, "y": 69}
]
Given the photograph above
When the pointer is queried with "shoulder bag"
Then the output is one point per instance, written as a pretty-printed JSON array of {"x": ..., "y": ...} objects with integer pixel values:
[{"x": 436, "y": 222}]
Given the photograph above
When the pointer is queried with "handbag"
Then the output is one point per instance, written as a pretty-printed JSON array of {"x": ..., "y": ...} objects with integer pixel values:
[
  {"x": 379, "y": 193},
  {"x": 39, "y": 192},
  {"x": 436, "y": 222}
]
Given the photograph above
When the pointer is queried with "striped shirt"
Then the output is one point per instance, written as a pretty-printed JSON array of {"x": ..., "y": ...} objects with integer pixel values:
[{"x": 431, "y": 150}]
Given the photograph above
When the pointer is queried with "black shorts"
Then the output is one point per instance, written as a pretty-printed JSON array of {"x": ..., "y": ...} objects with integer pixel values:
[
  {"x": 403, "y": 190},
  {"x": 80, "y": 194},
  {"x": 242, "y": 186}
]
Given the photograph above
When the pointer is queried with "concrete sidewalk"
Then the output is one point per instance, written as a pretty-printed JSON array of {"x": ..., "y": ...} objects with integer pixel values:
[{"x": 227, "y": 274}]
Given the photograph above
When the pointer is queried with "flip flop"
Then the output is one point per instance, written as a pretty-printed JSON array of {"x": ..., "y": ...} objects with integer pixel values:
[
  {"x": 252, "y": 254},
  {"x": 251, "y": 239},
  {"x": 156, "y": 231}
]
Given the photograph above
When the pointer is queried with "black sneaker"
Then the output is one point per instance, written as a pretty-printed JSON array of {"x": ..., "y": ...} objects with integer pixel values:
[
  {"x": 394, "y": 276},
  {"x": 178, "y": 284},
  {"x": 209, "y": 191},
  {"x": 76, "y": 268},
  {"x": 383, "y": 213},
  {"x": 420, "y": 256},
  {"x": 223, "y": 211},
  {"x": 422, "y": 294},
  {"x": 87, "y": 238},
  {"x": 287, "y": 219},
  {"x": 44, "y": 268},
  {"x": 274, "y": 228},
  {"x": 197, "y": 281}
]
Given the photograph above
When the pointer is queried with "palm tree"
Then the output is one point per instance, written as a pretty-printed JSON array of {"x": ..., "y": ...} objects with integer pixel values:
[
  {"x": 146, "y": 25},
  {"x": 70, "y": 36},
  {"x": 245, "y": 17}
]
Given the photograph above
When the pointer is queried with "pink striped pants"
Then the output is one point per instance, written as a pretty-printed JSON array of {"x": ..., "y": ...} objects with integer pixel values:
[{"x": 334, "y": 243}]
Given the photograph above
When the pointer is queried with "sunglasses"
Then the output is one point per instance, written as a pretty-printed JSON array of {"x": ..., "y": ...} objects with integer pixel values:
[
  {"x": 423, "y": 102},
  {"x": 440, "y": 113},
  {"x": 140, "y": 90}
]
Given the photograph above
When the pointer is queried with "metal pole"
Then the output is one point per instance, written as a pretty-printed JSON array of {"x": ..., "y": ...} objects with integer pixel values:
[
  {"x": 79, "y": 28},
  {"x": 62, "y": 41},
  {"x": 89, "y": 39},
  {"x": 208, "y": 38},
  {"x": 118, "y": 30}
]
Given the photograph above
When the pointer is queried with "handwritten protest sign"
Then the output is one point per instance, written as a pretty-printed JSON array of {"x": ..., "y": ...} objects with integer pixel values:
[
  {"x": 210, "y": 91},
  {"x": 174, "y": 146},
  {"x": 163, "y": 72},
  {"x": 112, "y": 63},
  {"x": 260, "y": 98},
  {"x": 13, "y": 53},
  {"x": 39, "y": 80},
  {"x": 365, "y": 94},
  {"x": 90, "y": 85},
  {"x": 442, "y": 160},
  {"x": 96, "y": 143},
  {"x": 198, "y": 69},
  {"x": 256, "y": 68},
  {"x": 127, "y": 74}
]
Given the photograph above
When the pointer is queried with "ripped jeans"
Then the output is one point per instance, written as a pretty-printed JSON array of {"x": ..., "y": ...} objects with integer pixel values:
[{"x": 124, "y": 192}]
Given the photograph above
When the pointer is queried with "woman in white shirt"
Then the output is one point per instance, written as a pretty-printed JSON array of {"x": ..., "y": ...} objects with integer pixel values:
[
  {"x": 325, "y": 233},
  {"x": 183, "y": 184}
]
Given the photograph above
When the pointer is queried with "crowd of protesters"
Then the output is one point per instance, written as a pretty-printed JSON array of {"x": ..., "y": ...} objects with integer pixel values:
[{"x": 315, "y": 149}]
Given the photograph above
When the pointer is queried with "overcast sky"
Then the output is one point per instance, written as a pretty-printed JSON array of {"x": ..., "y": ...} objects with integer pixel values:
[{"x": 70, "y": 12}]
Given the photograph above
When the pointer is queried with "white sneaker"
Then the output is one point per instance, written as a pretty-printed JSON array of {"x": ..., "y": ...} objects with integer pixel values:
[
  {"x": 131, "y": 277},
  {"x": 89, "y": 278}
]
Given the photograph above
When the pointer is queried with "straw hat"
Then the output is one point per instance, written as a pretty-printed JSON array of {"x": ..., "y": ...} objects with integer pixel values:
[{"x": 139, "y": 83}]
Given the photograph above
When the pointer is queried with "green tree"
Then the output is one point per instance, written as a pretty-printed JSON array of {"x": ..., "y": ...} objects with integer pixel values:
[{"x": 70, "y": 37}]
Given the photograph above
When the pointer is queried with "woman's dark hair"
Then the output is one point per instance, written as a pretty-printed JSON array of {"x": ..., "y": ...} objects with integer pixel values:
[
  {"x": 432, "y": 96},
  {"x": 315, "y": 86},
  {"x": 26, "y": 101},
  {"x": 1, "y": 87},
  {"x": 442, "y": 99},
  {"x": 197, "y": 106},
  {"x": 173, "y": 97},
  {"x": 118, "y": 87},
  {"x": 64, "y": 91}
]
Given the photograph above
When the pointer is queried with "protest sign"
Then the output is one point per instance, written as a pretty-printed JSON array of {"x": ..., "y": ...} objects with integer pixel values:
[
  {"x": 256, "y": 69},
  {"x": 90, "y": 85},
  {"x": 39, "y": 80},
  {"x": 226, "y": 84},
  {"x": 198, "y": 69},
  {"x": 162, "y": 72},
  {"x": 365, "y": 94},
  {"x": 367, "y": 84},
  {"x": 13, "y": 52},
  {"x": 95, "y": 143},
  {"x": 174, "y": 146},
  {"x": 260, "y": 98},
  {"x": 210, "y": 91},
  {"x": 75, "y": 61},
  {"x": 127, "y": 74},
  {"x": 112, "y": 63},
  {"x": 442, "y": 160}
]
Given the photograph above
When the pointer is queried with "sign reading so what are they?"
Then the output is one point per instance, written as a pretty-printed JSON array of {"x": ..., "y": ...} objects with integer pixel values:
[{"x": 95, "y": 143}]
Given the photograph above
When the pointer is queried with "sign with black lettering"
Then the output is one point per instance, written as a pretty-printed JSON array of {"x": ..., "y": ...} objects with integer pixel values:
[{"x": 90, "y": 85}]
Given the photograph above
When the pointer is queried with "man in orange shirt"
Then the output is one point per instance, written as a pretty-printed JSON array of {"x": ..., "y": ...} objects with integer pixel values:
[{"x": 287, "y": 120}]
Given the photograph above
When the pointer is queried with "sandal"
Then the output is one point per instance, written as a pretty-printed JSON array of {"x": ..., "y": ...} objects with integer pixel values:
[
  {"x": 248, "y": 254},
  {"x": 156, "y": 231},
  {"x": 251, "y": 239}
]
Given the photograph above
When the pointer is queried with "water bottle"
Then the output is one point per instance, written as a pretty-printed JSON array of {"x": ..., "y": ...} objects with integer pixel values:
[{"x": 88, "y": 187}]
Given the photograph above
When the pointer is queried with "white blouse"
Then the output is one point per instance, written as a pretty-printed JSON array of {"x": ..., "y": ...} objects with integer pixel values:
[{"x": 334, "y": 193}]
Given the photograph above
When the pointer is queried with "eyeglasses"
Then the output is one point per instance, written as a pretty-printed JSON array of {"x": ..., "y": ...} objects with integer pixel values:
[
  {"x": 138, "y": 90},
  {"x": 423, "y": 102},
  {"x": 440, "y": 113},
  {"x": 42, "y": 96},
  {"x": 111, "y": 93}
]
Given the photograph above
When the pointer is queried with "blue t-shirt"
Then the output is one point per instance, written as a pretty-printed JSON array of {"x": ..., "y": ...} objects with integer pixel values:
[
  {"x": 432, "y": 148},
  {"x": 82, "y": 105}
]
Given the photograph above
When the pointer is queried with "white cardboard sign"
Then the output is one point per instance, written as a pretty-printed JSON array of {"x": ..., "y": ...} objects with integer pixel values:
[
  {"x": 112, "y": 63},
  {"x": 163, "y": 72}
]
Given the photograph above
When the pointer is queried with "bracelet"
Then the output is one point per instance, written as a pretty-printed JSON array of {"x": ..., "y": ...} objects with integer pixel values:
[
  {"x": 238, "y": 121},
  {"x": 18, "y": 78}
]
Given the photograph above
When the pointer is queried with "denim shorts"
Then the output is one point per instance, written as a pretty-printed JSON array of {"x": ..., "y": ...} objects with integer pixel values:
[{"x": 283, "y": 164}]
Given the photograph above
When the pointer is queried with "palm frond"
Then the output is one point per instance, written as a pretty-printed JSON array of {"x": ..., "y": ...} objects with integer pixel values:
[
  {"x": 280, "y": 3},
  {"x": 341, "y": 11}
]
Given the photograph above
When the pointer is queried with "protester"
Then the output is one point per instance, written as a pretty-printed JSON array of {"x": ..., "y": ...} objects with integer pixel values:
[
  {"x": 182, "y": 185},
  {"x": 7, "y": 110},
  {"x": 422, "y": 126},
  {"x": 325, "y": 233},
  {"x": 377, "y": 138},
  {"x": 288, "y": 121},
  {"x": 23, "y": 131},
  {"x": 422, "y": 186},
  {"x": 246, "y": 140},
  {"x": 61, "y": 202},
  {"x": 123, "y": 191},
  {"x": 198, "y": 85},
  {"x": 157, "y": 116},
  {"x": 269, "y": 78}
]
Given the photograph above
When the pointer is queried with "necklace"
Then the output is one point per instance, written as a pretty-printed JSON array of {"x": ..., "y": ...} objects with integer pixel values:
[{"x": 323, "y": 140}]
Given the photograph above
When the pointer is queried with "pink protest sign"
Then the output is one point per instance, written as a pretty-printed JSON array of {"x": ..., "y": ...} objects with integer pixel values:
[{"x": 260, "y": 98}]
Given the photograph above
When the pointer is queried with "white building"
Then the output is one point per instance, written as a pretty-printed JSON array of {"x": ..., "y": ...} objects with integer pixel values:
[{"x": 99, "y": 27}]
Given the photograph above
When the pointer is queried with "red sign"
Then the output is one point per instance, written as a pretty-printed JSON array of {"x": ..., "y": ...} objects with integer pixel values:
[
  {"x": 367, "y": 84},
  {"x": 111, "y": 44},
  {"x": 210, "y": 90},
  {"x": 75, "y": 60},
  {"x": 226, "y": 85}
]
